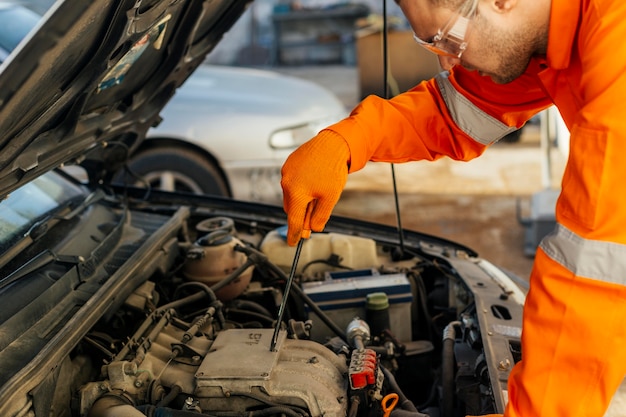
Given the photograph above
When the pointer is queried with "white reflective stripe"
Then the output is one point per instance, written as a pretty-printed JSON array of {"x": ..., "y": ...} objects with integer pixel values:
[
  {"x": 594, "y": 259},
  {"x": 470, "y": 119}
]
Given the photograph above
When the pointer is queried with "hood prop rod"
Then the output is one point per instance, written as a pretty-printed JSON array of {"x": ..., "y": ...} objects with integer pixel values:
[{"x": 402, "y": 253}]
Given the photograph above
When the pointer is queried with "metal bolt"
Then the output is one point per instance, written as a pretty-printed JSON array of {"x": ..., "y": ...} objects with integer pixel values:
[{"x": 504, "y": 365}]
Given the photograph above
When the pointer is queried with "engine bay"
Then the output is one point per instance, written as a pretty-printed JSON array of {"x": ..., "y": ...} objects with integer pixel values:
[
  {"x": 188, "y": 322},
  {"x": 364, "y": 333}
]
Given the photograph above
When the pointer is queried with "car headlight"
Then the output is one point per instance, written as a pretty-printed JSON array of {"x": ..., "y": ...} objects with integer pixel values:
[
  {"x": 292, "y": 138},
  {"x": 295, "y": 136}
]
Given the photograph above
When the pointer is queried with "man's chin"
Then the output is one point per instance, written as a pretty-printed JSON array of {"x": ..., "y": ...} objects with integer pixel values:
[
  {"x": 494, "y": 78},
  {"x": 498, "y": 80}
]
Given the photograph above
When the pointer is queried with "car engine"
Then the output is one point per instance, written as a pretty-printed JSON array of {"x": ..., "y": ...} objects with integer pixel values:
[
  {"x": 190, "y": 327},
  {"x": 359, "y": 326}
]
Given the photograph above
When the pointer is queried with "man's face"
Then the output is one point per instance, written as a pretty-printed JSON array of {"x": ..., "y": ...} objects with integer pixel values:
[{"x": 499, "y": 44}]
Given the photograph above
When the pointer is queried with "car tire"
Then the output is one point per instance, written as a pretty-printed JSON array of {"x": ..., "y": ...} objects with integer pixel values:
[{"x": 175, "y": 169}]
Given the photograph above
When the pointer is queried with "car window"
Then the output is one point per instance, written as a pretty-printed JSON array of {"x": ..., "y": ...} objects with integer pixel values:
[
  {"x": 21, "y": 210},
  {"x": 15, "y": 23}
]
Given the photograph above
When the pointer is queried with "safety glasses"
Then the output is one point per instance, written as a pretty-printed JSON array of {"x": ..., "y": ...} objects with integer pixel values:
[{"x": 450, "y": 40}]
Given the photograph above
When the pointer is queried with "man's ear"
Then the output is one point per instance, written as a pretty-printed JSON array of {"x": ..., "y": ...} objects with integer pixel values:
[{"x": 503, "y": 6}]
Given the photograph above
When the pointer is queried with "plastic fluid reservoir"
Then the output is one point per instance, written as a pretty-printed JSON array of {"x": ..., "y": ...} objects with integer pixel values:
[
  {"x": 213, "y": 258},
  {"x": 354, "y": 252}
]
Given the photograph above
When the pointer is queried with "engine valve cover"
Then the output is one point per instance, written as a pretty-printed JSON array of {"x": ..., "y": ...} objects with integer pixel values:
[{"x": 298, "y": 372}]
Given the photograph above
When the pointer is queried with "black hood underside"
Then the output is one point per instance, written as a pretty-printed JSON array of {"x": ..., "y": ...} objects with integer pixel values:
[{"x": 91, "y": 79}]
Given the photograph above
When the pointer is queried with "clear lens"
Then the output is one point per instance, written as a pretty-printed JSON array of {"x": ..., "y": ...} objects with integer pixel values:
[
  {"x": 450, "y": 41},
  {"x": 444, "y": 47}
]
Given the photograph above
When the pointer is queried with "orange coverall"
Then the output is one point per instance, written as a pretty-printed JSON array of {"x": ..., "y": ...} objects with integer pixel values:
[{"x": 574, "y": 326}]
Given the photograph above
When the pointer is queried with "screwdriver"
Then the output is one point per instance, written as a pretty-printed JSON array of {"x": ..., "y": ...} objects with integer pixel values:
[{"x": 306, "y": 233}]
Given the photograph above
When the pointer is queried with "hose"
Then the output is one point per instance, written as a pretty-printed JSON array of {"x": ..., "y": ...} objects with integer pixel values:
[
  {"x": 266, "y": 401},
  {"x": 320, "y": 313},
  {"x": 233, "y": 276},
  {"x": 152, "y": 411},
  {"x": 209, "y": 291},
  {"x": 161, "y": 409},
  {"x": 403, "y": 402},
  {"x": 252, "y": 314},
  {"x": 447, "y": 371},
  {"x": 399, "y": 412},
  {"x": 176, "y": 389},
  {"x": 113, "y": 405},
  {"x": 269, "y": 411},
  {"x": 281, "y": 410},
  {"x": 354, "y": 406},
  {"x": 405, "y": 407},
  {"x": 251, "y": 305},
  {"x": 259, "y": 258}
]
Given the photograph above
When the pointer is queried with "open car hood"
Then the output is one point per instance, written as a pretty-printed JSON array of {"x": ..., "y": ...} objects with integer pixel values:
[{"x": 93, "y": 77}]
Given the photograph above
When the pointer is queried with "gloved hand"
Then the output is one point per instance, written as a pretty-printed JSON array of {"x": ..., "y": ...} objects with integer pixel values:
[{"x": 314, "y": 173}]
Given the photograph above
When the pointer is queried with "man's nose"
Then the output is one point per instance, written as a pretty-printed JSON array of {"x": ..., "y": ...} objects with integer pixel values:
[{"x": 447, "y": 62}]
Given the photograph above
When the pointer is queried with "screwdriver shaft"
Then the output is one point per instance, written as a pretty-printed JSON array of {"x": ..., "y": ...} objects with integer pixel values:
[
  {"x": 305, "y": 234},
  {"x": 283, "y": 303}
]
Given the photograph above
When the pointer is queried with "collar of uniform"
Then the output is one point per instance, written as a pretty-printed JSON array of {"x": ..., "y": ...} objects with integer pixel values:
[{"x": 564, "y": 18}]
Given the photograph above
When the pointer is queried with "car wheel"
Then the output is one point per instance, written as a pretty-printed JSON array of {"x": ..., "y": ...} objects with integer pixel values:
[{"x": 175, "y": 169}]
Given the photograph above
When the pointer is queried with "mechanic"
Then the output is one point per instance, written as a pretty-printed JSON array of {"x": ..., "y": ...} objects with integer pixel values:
[{"x": 504, "y": 61}]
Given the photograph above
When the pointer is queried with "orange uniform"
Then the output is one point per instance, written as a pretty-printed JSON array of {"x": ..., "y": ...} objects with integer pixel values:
[{"x": 574, "y": 326}]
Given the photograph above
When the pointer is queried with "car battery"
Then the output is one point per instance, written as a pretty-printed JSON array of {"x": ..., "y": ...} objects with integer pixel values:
[{"x": 342, "y": 296}]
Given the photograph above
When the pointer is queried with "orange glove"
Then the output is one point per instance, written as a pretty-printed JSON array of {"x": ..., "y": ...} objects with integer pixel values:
[{"x": 314, "y": 173}]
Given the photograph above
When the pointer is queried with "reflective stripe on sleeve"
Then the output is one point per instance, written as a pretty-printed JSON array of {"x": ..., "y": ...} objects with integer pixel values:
[
  {"x": 481, "y": 127},
  {"x": 594, "y": 259}
]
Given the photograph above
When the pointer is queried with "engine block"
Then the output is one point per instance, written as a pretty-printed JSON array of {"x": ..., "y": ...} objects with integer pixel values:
[{"x": 299, "y": 372}]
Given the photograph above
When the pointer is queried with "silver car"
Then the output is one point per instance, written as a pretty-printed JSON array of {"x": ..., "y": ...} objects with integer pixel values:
[
  {"x": 200, "y": 144},
  {"x": 228, "y": 130}
]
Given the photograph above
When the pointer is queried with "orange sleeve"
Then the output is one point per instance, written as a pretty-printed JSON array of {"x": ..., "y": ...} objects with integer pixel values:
[{"x": 416, "y": 125}]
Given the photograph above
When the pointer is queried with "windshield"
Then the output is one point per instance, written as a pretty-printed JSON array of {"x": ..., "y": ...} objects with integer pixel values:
[
  {"x": 21, "y": 210},
  {"x": 15, "y": 23}
]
